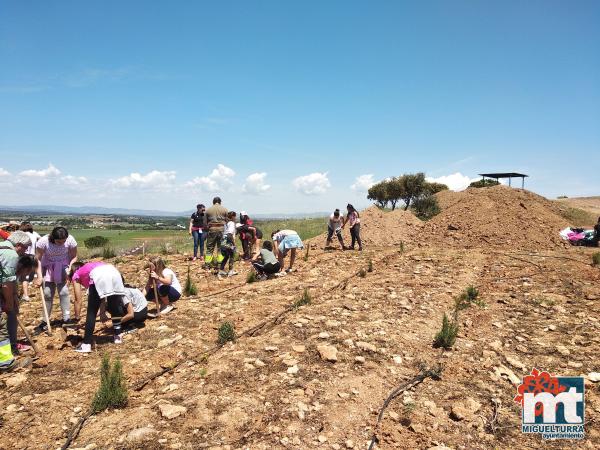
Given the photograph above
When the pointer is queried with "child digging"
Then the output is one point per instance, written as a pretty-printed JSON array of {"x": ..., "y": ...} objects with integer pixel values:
[
  {"x": 167, "y": 284},
  {"x": 265, "y": 263},
  {"x": 228, "y": 246},
  {"x": 104, "y": 282}
]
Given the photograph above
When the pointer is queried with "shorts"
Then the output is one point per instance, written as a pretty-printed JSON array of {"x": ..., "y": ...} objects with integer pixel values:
[
  {"x": 164, "y": 291},
  {"x": 289, "y": 242}
]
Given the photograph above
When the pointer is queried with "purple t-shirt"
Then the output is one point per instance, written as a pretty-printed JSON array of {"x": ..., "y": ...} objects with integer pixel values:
[{"x": 56, "y": 258}]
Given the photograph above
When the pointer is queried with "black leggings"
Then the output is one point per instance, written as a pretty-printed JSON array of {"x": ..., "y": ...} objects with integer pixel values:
[
  {"x": 268, "y": 269},
  {"x": 114, "y": 305},
  {"x": 227, "y": 256},
  {"x": 355, "y": 233},
  {"x": 138, "y": 318}
]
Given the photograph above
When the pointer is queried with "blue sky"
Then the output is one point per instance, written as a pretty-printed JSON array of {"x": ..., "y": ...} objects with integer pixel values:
[{"x": 160, "y": 104}]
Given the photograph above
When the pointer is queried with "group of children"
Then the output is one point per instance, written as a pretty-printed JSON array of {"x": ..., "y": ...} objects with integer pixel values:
[
  {"x": 217, "y": 224},
  {"x": 127, "y": 305},
  {"x": 107, "y": 290},
  {"x": 217, "y": 227}
]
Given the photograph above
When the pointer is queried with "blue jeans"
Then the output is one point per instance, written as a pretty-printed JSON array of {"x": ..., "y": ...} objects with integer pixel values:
[{"x": 198, "y": 242}]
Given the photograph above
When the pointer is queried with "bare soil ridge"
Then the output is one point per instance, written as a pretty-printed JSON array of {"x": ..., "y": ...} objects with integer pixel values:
[{"x": 317, "y": 376}]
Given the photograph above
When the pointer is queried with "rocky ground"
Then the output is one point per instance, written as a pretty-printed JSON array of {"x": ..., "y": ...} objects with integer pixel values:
[{"x": 316, "y": 376}]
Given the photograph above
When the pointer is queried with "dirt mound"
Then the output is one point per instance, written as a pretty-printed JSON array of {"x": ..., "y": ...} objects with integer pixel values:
[
  {"x": 380, "y": 228},
  {"x": 498, "y": 216}
]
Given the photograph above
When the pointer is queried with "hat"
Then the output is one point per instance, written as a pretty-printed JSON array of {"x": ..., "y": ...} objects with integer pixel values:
[{"x": 243, "y": 213}]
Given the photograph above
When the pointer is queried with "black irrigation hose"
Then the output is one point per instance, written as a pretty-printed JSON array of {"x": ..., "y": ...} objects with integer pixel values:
[{"x": 418, "y": 379}]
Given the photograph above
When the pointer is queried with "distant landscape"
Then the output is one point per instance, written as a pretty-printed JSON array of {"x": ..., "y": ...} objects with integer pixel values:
[{"x": 130, "y": 233}]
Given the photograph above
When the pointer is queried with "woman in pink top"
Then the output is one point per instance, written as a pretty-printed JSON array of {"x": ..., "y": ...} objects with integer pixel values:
[
  {"x": 57, "y": 251},
  {"x": 353, "y": 219}
]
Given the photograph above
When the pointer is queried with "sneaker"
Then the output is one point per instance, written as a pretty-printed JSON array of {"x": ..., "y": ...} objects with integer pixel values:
[
  {"x": 290, "y": 270},
  {"x": 194, "y": 258},
  {"x": 84, "y": 348},
  {"x": 280, "y": 274},
  {"x": 70, "y": 322},
  {"x": 166, "y": 309},
  {"x": 25, "y": 298},
  {"x": 222, "y": 273},
  {"x": 16, "y": 364},
  {"x": 41, "y": 328},
  {"x": 129, "y": 330},
  {"x": 118, "y": 338},
  {"x": 231, "y": 273}
]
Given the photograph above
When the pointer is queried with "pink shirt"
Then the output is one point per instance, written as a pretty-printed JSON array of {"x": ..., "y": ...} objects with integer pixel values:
[{"x": 82, "y": 275}]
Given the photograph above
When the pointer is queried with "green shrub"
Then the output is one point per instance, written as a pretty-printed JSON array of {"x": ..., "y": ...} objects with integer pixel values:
[
  {"x": 484, "y": 183},
  {"x": 468, "y": 298},
  {"x": 304, "y": 300},
  {"x": 190, "y": 287},
  {"x": 370, "y": 266},
  {"x": 596, "y": 259},
  {"x": 472, "y": 293},
  {"x": 108, "y": 252},
  {"x": 95, "y": 242},
  {"x": 252, "y": 277},
  {"x": 226, "y": 333},
  {"x": 426, "y": 207},
  {"x": 112, "y": 392},
  {"x": 446, "y": 337}
]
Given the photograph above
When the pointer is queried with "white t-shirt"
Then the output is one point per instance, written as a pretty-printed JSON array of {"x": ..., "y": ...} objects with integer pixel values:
[
  {"x": 335, "y": 223},
  {"x": 168, "y": 273},
  {"x": 229, "y": 228},
  {"x": 136, "y": 298},
  {"x": 34, "y": 237}
]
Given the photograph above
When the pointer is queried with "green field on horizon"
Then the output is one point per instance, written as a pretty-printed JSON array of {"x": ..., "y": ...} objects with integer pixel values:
[{"x": 179, "y": 240}]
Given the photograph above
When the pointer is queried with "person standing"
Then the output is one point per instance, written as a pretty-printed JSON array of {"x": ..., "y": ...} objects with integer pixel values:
[
  {"x": 57, "y": 252},
  {"x": 15, "y": 264},
  {"x": 198, "y": 225},
  {"x": 228, "y": 246},
  {"x": 216, "y": 217},
  {"x": 33, "y": 236},
  {"x": 353, "y": 219}
]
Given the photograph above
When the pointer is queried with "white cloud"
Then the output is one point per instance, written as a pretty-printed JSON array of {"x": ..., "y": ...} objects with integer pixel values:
[
  {"x": 220, "y": 179},
  {"x": 152, "y": 180},
  {"x": 455, "y": 182},
  {"x": 4, "y": 172},
  {"x": 255, "y": 183},
  {"x": 49, "y": 172},
  {"x": 362, "y": 183},
  {"x": 312, "y": 184},
  {"x": 74, "y": 181}
]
